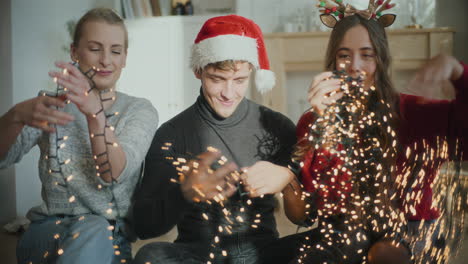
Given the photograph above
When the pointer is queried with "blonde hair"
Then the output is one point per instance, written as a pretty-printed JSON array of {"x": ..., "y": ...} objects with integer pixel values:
[
  {"x": 227, "y": 65},
  {"x": 99, "y": 14}
]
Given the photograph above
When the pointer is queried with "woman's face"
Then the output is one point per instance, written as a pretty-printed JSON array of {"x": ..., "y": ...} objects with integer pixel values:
[
  {"x": 102, "y": 46},
  {"x": 357, "y": 54}
]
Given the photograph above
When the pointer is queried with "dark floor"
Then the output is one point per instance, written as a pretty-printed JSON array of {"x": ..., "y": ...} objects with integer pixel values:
[{"x": 8, "y": 244}]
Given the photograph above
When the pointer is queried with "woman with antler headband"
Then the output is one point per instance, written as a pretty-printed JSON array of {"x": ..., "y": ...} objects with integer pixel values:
[{"x": 361, "y": 146}]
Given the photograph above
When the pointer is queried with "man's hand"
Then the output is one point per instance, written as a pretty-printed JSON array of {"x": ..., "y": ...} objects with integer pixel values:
[
  {"x": 202, "y": 183},
  {"x": 266, "y": 178},
  {"x": 434, "y": 79}
]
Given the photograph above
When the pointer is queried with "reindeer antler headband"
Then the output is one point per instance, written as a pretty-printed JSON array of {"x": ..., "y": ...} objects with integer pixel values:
[{"x": 335, "y": 8}]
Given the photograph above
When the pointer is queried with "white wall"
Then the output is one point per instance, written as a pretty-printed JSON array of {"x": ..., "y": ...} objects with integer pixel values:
[
  {"x": 7, "y": 176},
  {"x": 271, "y": 15},
  {"x": 452, "y": 13}
]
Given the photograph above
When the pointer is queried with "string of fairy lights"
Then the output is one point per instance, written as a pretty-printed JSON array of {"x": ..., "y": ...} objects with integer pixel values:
[
  {"x": 105, "y": 167},
  {"x": 357, "y": 136},
  {"x": 359, "y": 186},
  {"x": 231, "y": 216},
  {"x": 358, "y": 181},
  {"x": 349, "y": 172},
  {"x": 444, "y": 236}
]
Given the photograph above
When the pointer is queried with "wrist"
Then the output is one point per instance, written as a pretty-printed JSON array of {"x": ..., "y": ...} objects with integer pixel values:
[
  {"x": 14, "y": 115},
  {"x": 96, "y": 123},
  {"x": 96, "y": 117}
]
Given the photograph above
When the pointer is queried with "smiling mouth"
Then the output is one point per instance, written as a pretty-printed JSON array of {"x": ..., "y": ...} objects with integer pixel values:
[
  {"x": 104, "y": 73},
  {"x": 226, "y": 103}
]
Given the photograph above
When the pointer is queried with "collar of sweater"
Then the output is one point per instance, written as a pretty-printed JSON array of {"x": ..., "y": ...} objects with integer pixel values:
[{"x": 209, "y": 115}]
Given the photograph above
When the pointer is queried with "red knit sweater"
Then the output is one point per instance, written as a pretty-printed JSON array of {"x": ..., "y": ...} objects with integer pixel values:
[{"x": 422, "y": 122}]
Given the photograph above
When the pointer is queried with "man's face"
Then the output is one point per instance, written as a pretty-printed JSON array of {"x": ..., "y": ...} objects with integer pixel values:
[{"x": 224, "y": 90}]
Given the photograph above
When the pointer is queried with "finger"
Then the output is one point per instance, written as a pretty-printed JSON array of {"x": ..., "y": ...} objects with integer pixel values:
[
  {"x": 332, "y": 99},
  {"x": 233, "y": 178},
  {"x": 45, "y": 118},
  {"x": 226, "y": 193},
  {"x": 78, "y": 100},
  {"x": 328, "y": 86},
  {"x": 318, "y": 108},
  {"x": 74, "y": 75},
  {"x": 253, "y": 193},
  {"x": 43, "y": 125},
  {"x": 244, "y": 176},
  {"x": 325, "y": 87},
  {"x": 225, "y": 170},
  {"x": 322, "y": 76},
  {"x": 69, "y": 68},
  {"x": 73, "y": 86},
  {"x": 317, "y": 79},
  {"x": 66, "y": 76},
  {"x": 247, "y": 187},
  {"x": 262, "y": 191},
  {"x": 230, "y": 191},
  {"x": 64, "y": 83},
  {"x": 53, "y": 101},
  {"x": 207, "y": 158},
  {"x": 317, "y": 100},
  {"x": 62, "y": 117},
  {"x": 56, "y": 117},
  {"x": 256, "y": 183},
  {"x": 69, "y": 73}
]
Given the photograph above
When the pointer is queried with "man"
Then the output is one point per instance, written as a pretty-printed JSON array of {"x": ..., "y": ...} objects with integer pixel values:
[{"x": 222, "y": 215}]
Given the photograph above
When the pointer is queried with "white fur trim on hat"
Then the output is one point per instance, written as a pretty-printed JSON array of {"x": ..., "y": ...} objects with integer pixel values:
[
  {"x": 222, "y": 48},
  {"x": 264, "y": 80}
]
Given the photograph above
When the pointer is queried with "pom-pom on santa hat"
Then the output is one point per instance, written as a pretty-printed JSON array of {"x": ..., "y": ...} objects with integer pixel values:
[{"x": 235, "y": 38}]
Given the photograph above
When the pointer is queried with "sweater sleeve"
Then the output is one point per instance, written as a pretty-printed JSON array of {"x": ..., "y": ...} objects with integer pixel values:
[
  {"x": 428, "y": 119},
  {"x": 287, "y": 141},
  {"x": 140, "y": 126},
  {"x": 461, "y": 85},
  {"x": 159, "y": 203},
  {"x": 25, "y": 141}
]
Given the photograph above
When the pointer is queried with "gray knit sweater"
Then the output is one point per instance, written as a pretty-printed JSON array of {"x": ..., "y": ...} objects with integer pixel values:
[{"x": 135, "y": 126}]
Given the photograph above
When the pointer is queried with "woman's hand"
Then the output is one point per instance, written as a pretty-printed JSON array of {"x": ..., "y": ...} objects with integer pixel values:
[
  {"x": 77, "y": 86},
  {"x": 38, "y": 113},
  {"x": 323, "y": 91},
  {"x": 266, "y": 178},
  {"x": 434, "y": 79}
]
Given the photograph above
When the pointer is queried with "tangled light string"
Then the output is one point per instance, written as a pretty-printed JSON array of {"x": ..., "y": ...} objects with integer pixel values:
[
  {"x": 359, "y": 143},
  {"x": 103, "y": 165},
  {"x": 443, "y": 238},
  {"x": 231, "y": 216},
  {"x": 364, "y": 181}
]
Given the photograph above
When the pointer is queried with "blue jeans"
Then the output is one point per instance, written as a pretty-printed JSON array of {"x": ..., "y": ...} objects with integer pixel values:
[
  {"x": 420, "y": 236},
  {"x": 72, "y": 240},
  {"x": 239, "y": 251}
]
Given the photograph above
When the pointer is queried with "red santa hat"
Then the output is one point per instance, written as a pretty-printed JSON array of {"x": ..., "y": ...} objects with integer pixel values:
[{"x": 233, "y": 37}]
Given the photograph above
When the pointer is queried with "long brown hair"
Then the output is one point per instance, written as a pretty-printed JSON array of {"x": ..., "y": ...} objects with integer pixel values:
[{"x": 382, "y": 81}]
